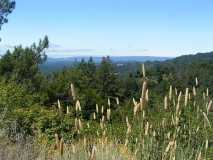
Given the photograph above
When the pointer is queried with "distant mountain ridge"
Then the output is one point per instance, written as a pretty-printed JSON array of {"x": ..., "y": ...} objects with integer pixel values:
[
  {"x": 207, "y": 56},
  {"x": 54, "y": 64}
]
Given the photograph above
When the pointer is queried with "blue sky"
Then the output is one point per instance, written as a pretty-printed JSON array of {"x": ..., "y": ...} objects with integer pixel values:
[{"x": 113, "y": 27}]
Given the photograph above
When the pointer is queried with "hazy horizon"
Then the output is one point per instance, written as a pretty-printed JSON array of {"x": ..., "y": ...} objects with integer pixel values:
[{"x": 100, "y": 56}]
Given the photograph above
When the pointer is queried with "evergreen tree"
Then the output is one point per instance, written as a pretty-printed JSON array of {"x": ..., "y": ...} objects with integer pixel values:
[
  {"x": 22, "y": 65},
  {"x": 108, "y": 79}
]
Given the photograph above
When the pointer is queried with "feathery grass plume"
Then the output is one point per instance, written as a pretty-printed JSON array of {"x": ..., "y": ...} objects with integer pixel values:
[
  {"x": 129, "y": 129},
  {"x": 143, "y": 71},
  {"x": 136, "y": 106},
  {"x": 134, "y": 102},
  {"x": 59, "y": 105},
  {"x": 143, "y": 114},
  {"x": 136, "y": 152},
  {"x": 178, "y": 103},
  {"x": 204, "y": 96},
  {"x": 143, "y": 94},
  {"x": 85, "y": 142},
  {"x": 136, "y": 140},
  {"x": 178, "y": 129},
  {"x": 108, "y": 114},
  {"x": 170, "y": 92},
  {"x": 94, "y": 116},
  {"x": 209, "y": 107},
  {"x": 141, "y": 104},
  {"x": 147, "y": 95},
  {"x": 126, "y": 142},
  {"x": 176, "y": 91},
  {"x": 101, "y": 124},
  {"x": 168, "y": 147},
  {"x": 96, "y": 107},
  {"x": 68, "y": 110},
  {"x": 73, "y": 92},
  {"x": 171, "y": 146},
  {"x": 78, "y": 106},
  {"x": 173, "y": 121},
  {"x": 102, "y": 109},
  {"x": 117, "y": 101},
  {"x": 206, "y": 119},
  {"x": 73, "y": 148},
  {"x": 103, "y": 118},
  {"x": 61, "y": 149},
  {"x": 179, "y": 97},
  {"x": 146, "y": 128},
  {"x": 144, "y": 87},
  {"x": 165, "y": 103},
  {"x": 207, "y": 92},
  {"x": 197, "y": 129},
  {"x": 186, "y": 97},
  {"x": 76, "y": 123},
  {"x": 127, "y": 120},
  {"x": 135, "y": 110},
  {"x": 80, "y": 124},
  {"x": 88, "y": 125},
  {"x": 154, "y": 133},
  {"x": 194, "y": 91},
  {"x": 174, "y": 149},
  {"x": 199, "y": 157},
  {"x": 57, "y": 142},
  {"x": 196, "y": 82},
  {"x": 109, "y": 103},
  {"x": 168, "y": 135},
  {"x": 93, "y": 153},
  {"x": 207, "y": 144}
]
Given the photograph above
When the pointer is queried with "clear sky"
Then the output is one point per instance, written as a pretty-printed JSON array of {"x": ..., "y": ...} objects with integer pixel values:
[{"x": 113, "y": 27}]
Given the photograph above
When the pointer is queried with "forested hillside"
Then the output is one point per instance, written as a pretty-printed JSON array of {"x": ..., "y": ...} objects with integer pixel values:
[{"x": 181, "y": 70}]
